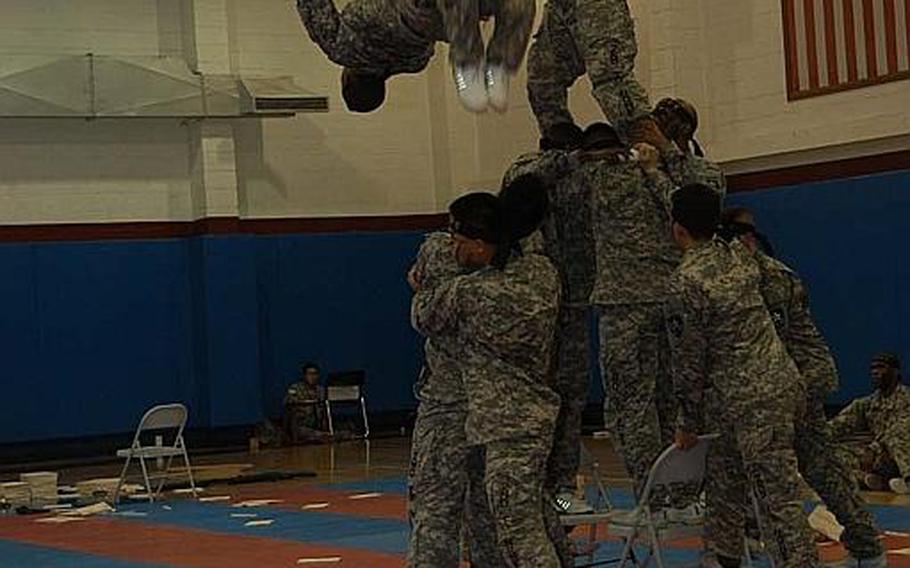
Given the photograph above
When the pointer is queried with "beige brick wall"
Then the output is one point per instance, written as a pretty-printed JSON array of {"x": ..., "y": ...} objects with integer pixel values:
[
  {"x": 75, "y": 171},
  {"x": 727, "y": 57},
  {"x": 413, "y": 155}
]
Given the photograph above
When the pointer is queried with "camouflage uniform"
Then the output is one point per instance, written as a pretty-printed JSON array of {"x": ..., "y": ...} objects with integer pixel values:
[
  {"x": 398, "y": 36},
  {"x": 304, "y": 415},
  {"x": 445, "y": 470},
  {"x": 635, "y": 257},
  {"x": 685, "y": 168},
  {"x": 596, "y": 37},
  {"x": 514, "y": 20},
  {"x": 505, "y": 320},
  {"x": 569, "y": 244},
  {"x": 731, "y": 371},
  {"x": 820, "y": 460},
  {"x": 888, "y": 419}
]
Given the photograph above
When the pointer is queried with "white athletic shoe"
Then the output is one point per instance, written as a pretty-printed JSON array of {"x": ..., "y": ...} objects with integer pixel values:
[
  {"x": 568, "y": 504},
  {"x": 899, "y": 486},
  {"x": 850, "y": 562},
  {"x": 497, "y": 82},
  {"x": 470, "y": 86}
]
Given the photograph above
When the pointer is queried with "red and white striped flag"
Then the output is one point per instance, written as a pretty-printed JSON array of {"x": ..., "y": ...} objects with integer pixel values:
[{"x": 834, "y": 45}]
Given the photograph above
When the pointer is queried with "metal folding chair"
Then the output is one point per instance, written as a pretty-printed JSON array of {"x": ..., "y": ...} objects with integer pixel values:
[
  {"x": 346, "y": 388},
  {"x": 159, "y": 418},
  {"x": 673, "y": 466}
]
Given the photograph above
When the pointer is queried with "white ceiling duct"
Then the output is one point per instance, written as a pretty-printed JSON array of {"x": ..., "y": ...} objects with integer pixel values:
[
  {"x": 278, "y": 96},
  {"x": 45, "y": 86},
  {"x": 102, "y": 86}
]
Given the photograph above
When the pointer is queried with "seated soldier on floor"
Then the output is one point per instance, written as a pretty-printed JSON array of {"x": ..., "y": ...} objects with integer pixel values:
[
  {"x": 885, "y": 462},
  {"x": 304, "y": 414}
]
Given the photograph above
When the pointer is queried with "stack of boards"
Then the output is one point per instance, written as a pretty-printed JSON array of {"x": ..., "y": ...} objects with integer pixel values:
[{"x": 34, "y": 490}]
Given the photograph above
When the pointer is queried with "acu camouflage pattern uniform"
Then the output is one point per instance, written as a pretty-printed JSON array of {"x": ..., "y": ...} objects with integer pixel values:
[
  {"x": 821, "y": 462},
  {"x": 390, "y": 37},
  {"x": 445, "y": 480},
  {"x": 596, "y": 37},
  {"x": 635, "y": 258},
  {"x": 304, "y": 413},
  {"x": 731, "y": 371},
  {"x": 505, "y": 321},
  {"x": 888, "y": 419},
  {"x": 507, "y": 47},
  {"x": 569, "y": 244},
  {"x": 686, "y": 168}
]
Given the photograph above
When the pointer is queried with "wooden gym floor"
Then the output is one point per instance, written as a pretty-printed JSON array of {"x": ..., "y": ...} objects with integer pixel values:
[{"x": 351, "y": 513}]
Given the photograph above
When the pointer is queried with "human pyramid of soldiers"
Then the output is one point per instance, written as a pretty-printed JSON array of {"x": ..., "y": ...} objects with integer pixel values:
[{"x": 700, "y": 330}]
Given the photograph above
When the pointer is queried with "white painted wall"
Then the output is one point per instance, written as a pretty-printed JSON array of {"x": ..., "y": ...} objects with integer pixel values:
[
  {"x": 727, "y": 58},
  {"x": 415, "y": 154},
  {"x": 76, "y": 171}
]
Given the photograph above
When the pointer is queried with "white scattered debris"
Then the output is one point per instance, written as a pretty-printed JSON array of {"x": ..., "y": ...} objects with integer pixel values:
[
  {"x": 258, "y": 503},
  {"x": 364, "y": 496},
  {"x": 89, "y": 510},
  {"x": 214, "y": 498},
  {"x": 132, "y": 514},
  {"x": 259, "y": 523},
  {"x": 187, "y": 491},
  {"x": 310, "y": 506},
  {"x": 167, "y": 507},
  {"x": 244, "y": 515},
  {"x": 59, "y": 520},
  {"x": 325, "y": 560}
]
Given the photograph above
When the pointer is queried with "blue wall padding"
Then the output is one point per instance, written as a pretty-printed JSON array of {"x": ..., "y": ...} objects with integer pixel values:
[
  {"x": 96, "y": 332},
  {"x": 848, "y": 239}
]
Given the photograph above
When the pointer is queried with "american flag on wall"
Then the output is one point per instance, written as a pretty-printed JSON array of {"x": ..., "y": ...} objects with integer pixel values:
[{"x": 835, "y": 45}]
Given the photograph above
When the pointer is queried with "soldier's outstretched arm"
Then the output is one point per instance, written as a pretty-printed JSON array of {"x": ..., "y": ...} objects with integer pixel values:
[
  {"x": 323, "y": 23},
  {"x": 688, "y": 351}
]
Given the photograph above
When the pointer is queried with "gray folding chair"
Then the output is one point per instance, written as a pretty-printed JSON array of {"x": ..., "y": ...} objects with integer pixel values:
[
  {"x": 166, "y": 417},
  {"x": 346, "y": 388},
  {"x": 673, "y": 466}
]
